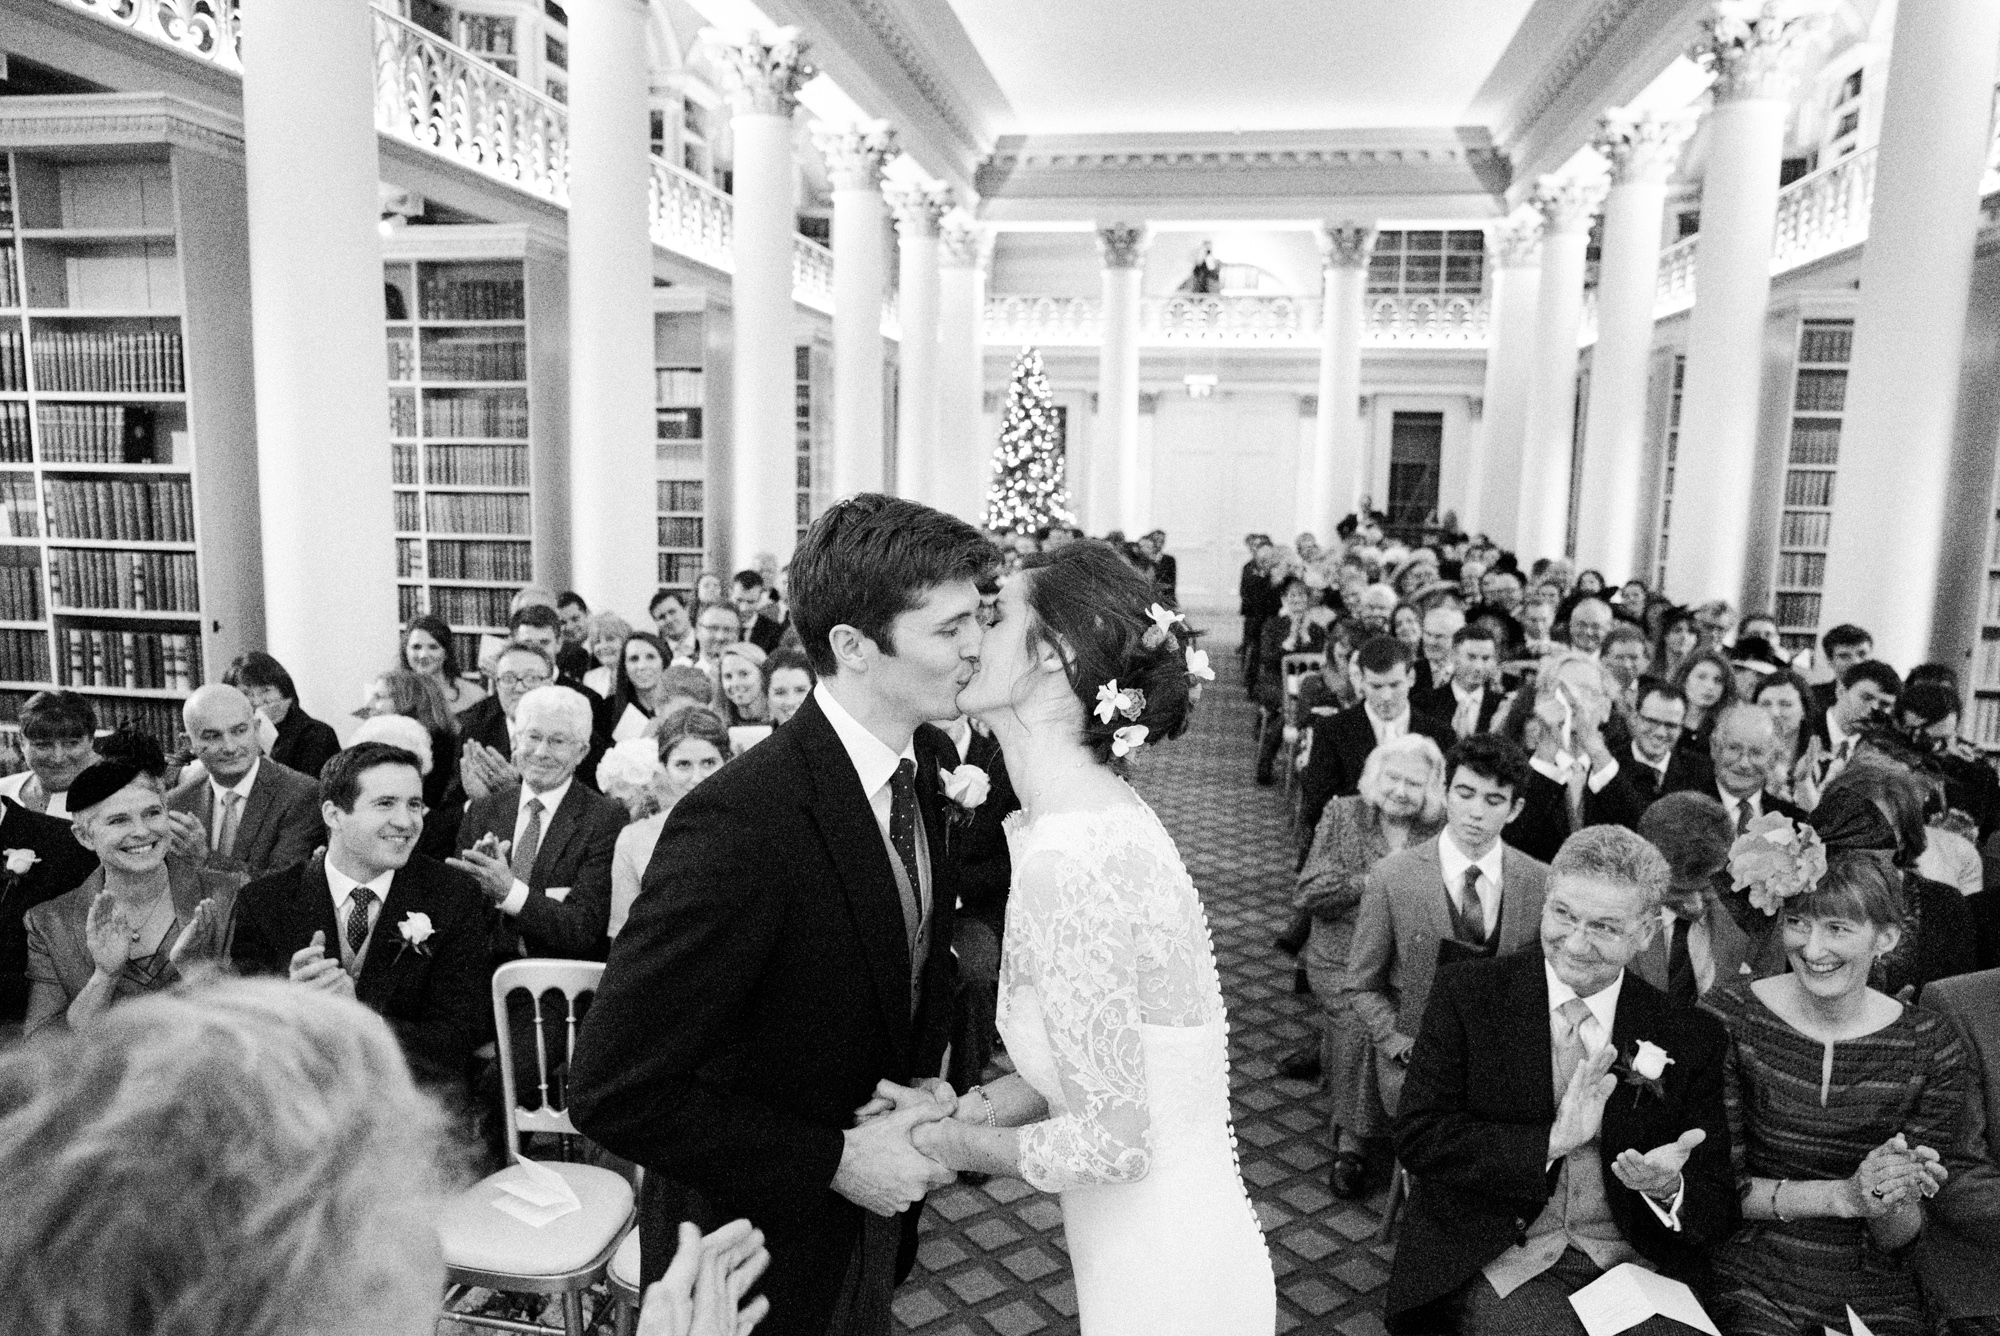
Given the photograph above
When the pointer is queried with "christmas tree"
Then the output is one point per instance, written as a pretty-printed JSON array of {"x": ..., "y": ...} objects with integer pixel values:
[{"x": 1028, "y": 491}]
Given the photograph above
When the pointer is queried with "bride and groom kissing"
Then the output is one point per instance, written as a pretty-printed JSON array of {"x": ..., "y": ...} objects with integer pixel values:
[{"x": 773, "y": 1016}]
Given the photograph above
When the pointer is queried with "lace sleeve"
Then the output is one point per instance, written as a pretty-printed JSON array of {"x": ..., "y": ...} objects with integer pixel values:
[{"x": 1086, "y": 976}]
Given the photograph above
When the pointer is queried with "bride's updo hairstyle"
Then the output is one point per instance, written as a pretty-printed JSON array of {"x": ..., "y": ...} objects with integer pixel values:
[{"x": 1089, "y": 606}]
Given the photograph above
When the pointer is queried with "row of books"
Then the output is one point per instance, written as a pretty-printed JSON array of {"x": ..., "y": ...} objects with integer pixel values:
[
  {"x": 13, "y": 365},
  {"x": 159, "y": 719},
  {"x": 97, "y": 433},
  {"x": 481, "y": 512},
  {"x": 680, "y": 570},
  {"x": 131, "y": 581},
  {"x": 684, "y": 531},
  {"x": 470, "y": 298},
  {"x": 146, "y": 660},
  {"x": 16, "y": 446},
  {"x": 476, "y": 465},
  {"x": 465, "y": 356},
  {"x": 24, "y": 656},
  {"x": 471, "y": 607},
  {"x": 680, "y": 495},
  {"x": 21, "y": 593},
  {"x": 108, "y": 361},
  {"x": 20, "y": 511},
  {"x": 10, "y": 278},
  {"x": 677, "y": 424},
  {"x": 402, "y": 413},
  {"x": 135, "y": 511},
  {"x": 1986, "y": 721},
  {"x": 678, "y": 387},
  {"x": 480, "y": 561},
  {"x": 476, "y": 414}
]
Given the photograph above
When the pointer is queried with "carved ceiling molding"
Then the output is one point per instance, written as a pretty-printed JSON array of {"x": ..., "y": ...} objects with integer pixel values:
[
  {"x": 1604, "y": 20},
  {"x": 119, "y": 118},
  {"x": 888, "y": 30},
  {"x": 1015, "y": 152}
]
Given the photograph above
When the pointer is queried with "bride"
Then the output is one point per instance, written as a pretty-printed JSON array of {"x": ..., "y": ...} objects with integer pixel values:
[{"x": 1109, "y": 999}]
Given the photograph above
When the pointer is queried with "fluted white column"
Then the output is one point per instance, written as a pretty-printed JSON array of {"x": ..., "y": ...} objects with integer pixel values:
[
  {"x": 1112, "y": 500},
  {"x": 323, "y": 469},
  {"x": 1548, "y": 433},
  {"x": 1337, "y": 461},
  {"x": 766, "y": 71},
  {"x": 1894, "y": 495},
  {"x": 612, "y": 538},
  {"x": 918, "y": 209},
  {"x": 964, "y": 453},
  {"x": 854, "y": 159},
  {"x": 1642, "y": 152},
  {"x": 1715, "y": 468},
  {"x": 1514, "y": 258}
]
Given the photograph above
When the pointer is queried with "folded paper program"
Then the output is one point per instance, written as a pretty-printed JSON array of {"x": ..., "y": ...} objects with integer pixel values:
[
  {"x": 1627, "y": 1295},
  {"x": 534, "y": 1194}
]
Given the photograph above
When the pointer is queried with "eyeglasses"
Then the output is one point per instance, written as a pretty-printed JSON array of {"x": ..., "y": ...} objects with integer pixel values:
[
  {"x": 530, "y": 680},
  {"x": 537, "y": 738},
  {"x": 1596, "y": 931},
  {"x": 1665, "y": 725}
]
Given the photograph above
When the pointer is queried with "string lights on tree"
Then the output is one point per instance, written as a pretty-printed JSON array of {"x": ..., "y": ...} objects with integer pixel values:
[{"x": 1028, "y": 490}]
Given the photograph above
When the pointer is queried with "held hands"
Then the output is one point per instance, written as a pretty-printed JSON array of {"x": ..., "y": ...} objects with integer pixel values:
[
  {"x": 108, "y": 934},
  {"x": 1893, "y": 1175},
  {"x": 1582, "y": 1107},
  {"x": 702, "y": 1292},
  {"x": 190, "y": 837},
  {"x": 881, "y": 1170},
  {"x": 1657, "y": 1173},
  {"x": 890, "y": 1097},
  {"x": 314, "y": 968}
]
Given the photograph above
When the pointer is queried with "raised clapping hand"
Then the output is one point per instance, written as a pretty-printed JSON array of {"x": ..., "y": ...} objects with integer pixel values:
[
  {"x": 197, "y": 939},
  {"x": 1582, "y": 1109},
  {"x": 190, "y": 837},
  {"x": 702, "y": 1292},
  {"x": 490, "y": 869},
  {"x": 313, "y": 967},
  {"x": 880, "y": 1170},
  {"x": 1893, "y": 1175},
  {"x": 1657, "y": 1173},
  {"x": 108, "y": 934}
]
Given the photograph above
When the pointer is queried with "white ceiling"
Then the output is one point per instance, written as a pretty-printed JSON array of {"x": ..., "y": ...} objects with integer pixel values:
[{"x": 1132, "y": 66}]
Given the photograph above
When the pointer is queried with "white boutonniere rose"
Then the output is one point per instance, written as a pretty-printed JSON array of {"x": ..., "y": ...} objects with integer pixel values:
[
  {"x": 1651, "y": 1061},
  {"x": 416, "y": 930},
  {"x": 20, "y": 860},
  {"x": 967, "y": 786},
  {"x": 1642, "y": 1069}
]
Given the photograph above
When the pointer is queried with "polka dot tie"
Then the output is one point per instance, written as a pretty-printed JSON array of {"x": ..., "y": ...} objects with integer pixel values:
[
  {"x": 903, "y": 835},
  {"x": 357, "y": 918}
]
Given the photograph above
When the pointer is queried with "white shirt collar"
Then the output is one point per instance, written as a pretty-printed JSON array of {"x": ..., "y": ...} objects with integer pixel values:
[
  {"x": 1454, "y": 862},
  {"x": 1465, "y": 693},
  {"x": 959, "y": 731},
  {"x": 550, "y": 800},
  {"x": 1603, "y": 1003},
  {"x": 1659, "y": 767},
  {"x": 872, "y": 759},
  {"x": 1731, "y": 802},
  {"x": 343, "y": 885},
  {"x": 241, "y": 788}
]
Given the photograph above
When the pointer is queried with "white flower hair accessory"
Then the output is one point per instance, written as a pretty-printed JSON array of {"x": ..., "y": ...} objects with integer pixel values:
[
  {"x": 1128, "y": 740},
  {"x": 1197, "y": 665},
  {"x": 1164, "y": 622},
  {"x": 1111, "y": 701}
]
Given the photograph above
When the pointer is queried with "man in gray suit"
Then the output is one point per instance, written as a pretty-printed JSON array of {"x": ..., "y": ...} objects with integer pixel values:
[
  {"x": 1463, "y": 895},
  {"x": 1699, "y": 944},
  {"x": 1962, "y": 1226},
  {"x": 248, "y": 814}
]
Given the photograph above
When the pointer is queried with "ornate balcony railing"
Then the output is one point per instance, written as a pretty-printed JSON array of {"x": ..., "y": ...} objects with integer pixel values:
[
  {"x": 691, "y": 216},
  {"x": 812, "y": 274},
  {"x": 1239, "y": 321},
  {"x": 208, "y": 30},
  {"x": 1408, "y": 322},
  {"x": 1049, "y": 322},
  {"x": 1425, "y": 322}
]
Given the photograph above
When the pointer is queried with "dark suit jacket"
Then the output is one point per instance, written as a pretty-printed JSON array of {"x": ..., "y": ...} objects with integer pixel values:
[
  {"x": 575, "y": 859},
  {"x": 1340, "y": 746},
  {"x": 436, "y": 1000},
  {"x": 280, "y": 823},
  {"x": 1441, "y": 703},
  {"x": 1544, "y": 822},
  {"x": 1685, "y": 771},
  {"x": 1962, "y": 1226},
  {"x": 757, "y": 994},
  {"x": 304, "y": 744},
  {"x": 1473, "y": 1129},
  {"x": 60, "y": 866},
  {"x": 978, "y": 846},
  {"x": 1737, "y": 954},
  {"x": 765, "y": 633}
]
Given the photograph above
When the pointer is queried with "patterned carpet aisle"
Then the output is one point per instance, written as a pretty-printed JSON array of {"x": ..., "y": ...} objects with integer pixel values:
[{"x": 992, "y": 1256}]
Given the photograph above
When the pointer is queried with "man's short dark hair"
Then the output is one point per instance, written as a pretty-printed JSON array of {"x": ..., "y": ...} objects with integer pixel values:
[
  {"x": 1494, "y": 758},
  {"x": 870, "y": 559},
  {"x": 1479, "y": 631},
  {"x": 747, "y": 579},
  {"x": 1930, "y": 702},
  {"x": 1845, "y": 636},
  {"x": 1650, "y": 687},
  {"x": 57, "y": 716},
  {"x": 569, "y": 598},
  {"x": 516, "y": 647},
  {"x": 254, "y": 668},
  {"x": 340, "y": 778},
  {"x": 537, "y": 615},
  {"x": 1621, "y": 632},
  {"x": 1382, "y": 654},
  {"x": 663, "y": 595},
  {"x": 1876, "y": 671}
]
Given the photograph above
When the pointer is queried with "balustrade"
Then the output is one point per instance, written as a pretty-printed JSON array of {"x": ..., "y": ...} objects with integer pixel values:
[{"x": 1392, "y": 321}]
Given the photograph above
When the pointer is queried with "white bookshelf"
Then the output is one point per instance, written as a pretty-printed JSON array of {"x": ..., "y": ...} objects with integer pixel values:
[{"x": 1812, "y": 453}]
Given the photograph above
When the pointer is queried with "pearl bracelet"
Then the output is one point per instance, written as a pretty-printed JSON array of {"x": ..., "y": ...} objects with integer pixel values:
[{"x": 986, "y": 1100}]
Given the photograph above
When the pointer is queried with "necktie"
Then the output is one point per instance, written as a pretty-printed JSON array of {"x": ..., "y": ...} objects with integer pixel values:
[
  {"x": 1466, "y": 722},
  {"x": 226, "y": 821},
  {"x": 903, "y": 836},
  {"x": 1468, "y": 920},
  {"x": 1743, "y": 817},
  {"x": 1682, "y": 986},
  {"x": 1569, "y": 1050},
  {"x": 529, "y": 846},
  {"x": 357, "y": 918}
]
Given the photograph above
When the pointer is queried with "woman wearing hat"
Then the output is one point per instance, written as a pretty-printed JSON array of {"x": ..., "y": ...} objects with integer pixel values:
[{"x": 142, "y": 918}]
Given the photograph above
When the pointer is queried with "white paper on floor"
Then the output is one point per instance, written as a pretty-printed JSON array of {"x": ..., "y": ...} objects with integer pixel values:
[{"x": 1627, "y": 1295}]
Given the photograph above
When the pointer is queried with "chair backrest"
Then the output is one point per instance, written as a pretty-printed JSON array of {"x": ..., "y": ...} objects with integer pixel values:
[
  {"x": 575, "y": 980},
  {"x": 1297, "y": 666}
]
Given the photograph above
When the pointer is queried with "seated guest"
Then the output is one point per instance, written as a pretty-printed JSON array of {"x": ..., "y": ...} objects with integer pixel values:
[
  {"x": 541, "y": 849},
  {"x": 1529, "y": 1179},
  {"x": 427, "y": 650},
  {"x": 1459, "y": 895},
  {"x": 1930, "y": 713},
  {"x": 1961, "y": 1235},
  {"x": 1626, "y": 656},
  {"x": 748, "y": 594},
  {"x": 741, "y": 679},
  {"x": 1654, "y": 764},
  {"x": 637, "y": 698},
  {"x": 673, "y": 622},
  {"x": 1292, "y": 631},
  {"x": 1741, "y": 748},
  {"x": 1801, "y": 737},
  {"x": 605, "y": 637},
  {"x": 1842, "y": 1101},
  {"x": 58, "y": 732},
  {"x": 1867, "y": 694},
  {"x": 1677, "y": 640},
  {"x": 374, "y": 920},
  {"x": 573, "y": 656},
  {"x": 416, "y": 696},
  {"x": 716, "y": 627},
  {"x": 1407, "y": 625},
  {"x": 693, "y": 743},
  {"x": 1699, "y": 943},
  {"x": 247, "y": 813},
  {"x": 1470, "y": 697},
  {"x": 486, "y": 748},
  {"x": 1400, "y": 804},
  {"x": 788, "y": 680},
  {"x": 1337, "y": 746},
  {"x": 303, "y": 743},
  {"x": 1434, "y": 665},
  {"x": 1588, "y": 625},
  {"x": 1709, "y": 684},
  {"x": 685, "y": 684},
  {"x": 1575, "y": 779},
  {"x": 1336, "y": 685},
  {"x": 1840, "y": 649},
  {"x": 141, "y": 918},
  {"x": 43, "y": 861}
]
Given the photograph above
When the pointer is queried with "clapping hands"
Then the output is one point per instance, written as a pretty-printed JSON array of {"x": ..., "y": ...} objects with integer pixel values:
[
  {"x": 1892, "y": 1175},
  {"x": 483, "y": 770},
  {"x": 1657, "y": 1173},
  {"x": 702, "y": 1292},
  {"x": 313, "y": 967}
]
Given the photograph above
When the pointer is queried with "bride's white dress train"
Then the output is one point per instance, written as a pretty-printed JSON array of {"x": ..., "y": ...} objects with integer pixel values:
[{"x": 1112, "y": 1009}]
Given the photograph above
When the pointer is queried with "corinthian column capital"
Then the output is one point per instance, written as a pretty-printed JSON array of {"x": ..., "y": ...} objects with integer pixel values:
[
  {"x": 1567, "y": 203},
  {"x": 1754, "y": 47},
  {"x": 855, "y": 154},
  {"x": 1515, "y": 242},
  {"x": 919, "y": 207},
  {"x": 1344, "y": 245},
  {"x": 765, "y": 69},
  {"x": 962, "y": 240},
  {"x": 1642, "y": 148},
  {"x": 1122, "y": 245}
]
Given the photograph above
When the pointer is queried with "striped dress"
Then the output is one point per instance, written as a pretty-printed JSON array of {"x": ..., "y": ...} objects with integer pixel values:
[{"x": 1785, "y": 1279}]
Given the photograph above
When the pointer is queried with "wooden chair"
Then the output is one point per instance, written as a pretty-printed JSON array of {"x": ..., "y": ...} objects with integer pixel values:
[
  {"x": 486, "y": 1248},
  {"x": 1295, "y": 668}
]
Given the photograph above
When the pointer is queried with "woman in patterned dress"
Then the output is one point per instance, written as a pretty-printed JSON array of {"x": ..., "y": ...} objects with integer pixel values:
[{"x": 1840, "y": 1100}]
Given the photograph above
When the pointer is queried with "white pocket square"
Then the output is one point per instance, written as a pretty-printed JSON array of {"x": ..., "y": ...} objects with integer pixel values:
[{"x": 561, "y": 893}]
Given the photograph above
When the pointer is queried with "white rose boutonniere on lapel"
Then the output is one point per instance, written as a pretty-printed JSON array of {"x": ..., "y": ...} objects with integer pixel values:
[
  {"x": 20, "y": 860},
  {"x": 416, "y": 931},
  {"x": 1643, "y": 1069}
]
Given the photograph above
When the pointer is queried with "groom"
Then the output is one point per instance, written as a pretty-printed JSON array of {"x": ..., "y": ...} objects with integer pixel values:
[{"x": 791, "y": 944}]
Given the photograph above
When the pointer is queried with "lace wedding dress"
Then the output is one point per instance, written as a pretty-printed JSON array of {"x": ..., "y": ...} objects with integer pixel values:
[{"x": 1112, "y": 1009}]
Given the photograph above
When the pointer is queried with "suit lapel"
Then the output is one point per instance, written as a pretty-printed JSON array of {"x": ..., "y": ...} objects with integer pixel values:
[
  {"x": 1515, "y": 926},
  {"x": 1437, "y": 913},
  {"x": 1527, "y": 1023},
  {"x": 560, "y": 830},
  {"x": 313, "y": 912},
  {"x": 385, "y": 944},
  {"x": 256, "y": 809},
  {"x": 1638, "y": 1017}
]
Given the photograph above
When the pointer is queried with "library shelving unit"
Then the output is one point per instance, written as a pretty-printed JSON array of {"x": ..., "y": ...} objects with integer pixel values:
[
  {"x": 478, "y": 419},
  {"x": 691, "y": 333},
  {"x": 130, "y": 568},
  {"x": 812, "y": 373},
  {"x": 1812, "y": 450}
]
